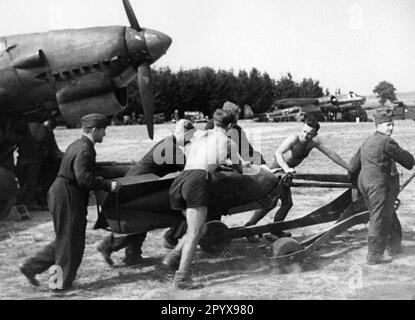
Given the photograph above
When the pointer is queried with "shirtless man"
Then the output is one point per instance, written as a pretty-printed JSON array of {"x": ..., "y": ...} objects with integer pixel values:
[
  {"x": 165, "y": 157},
  {"x": 290, "y": 154},
  {"x": 190, "y": 191}
]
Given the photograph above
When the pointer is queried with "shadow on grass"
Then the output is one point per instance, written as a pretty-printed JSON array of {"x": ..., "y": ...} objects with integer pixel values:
[
  {"x": 243, "y": 260},
  {"x": 233, "y": 262}
]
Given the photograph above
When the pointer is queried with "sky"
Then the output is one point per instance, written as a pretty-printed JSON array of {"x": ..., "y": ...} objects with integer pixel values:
[{"x": 346, "y": 44}]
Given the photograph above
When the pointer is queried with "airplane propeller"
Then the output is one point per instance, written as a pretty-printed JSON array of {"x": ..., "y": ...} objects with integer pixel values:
[
  {"x": 145, "y": 79},
  {"x": 131, "y": 16},
  {"x": 145, "y": 84}
]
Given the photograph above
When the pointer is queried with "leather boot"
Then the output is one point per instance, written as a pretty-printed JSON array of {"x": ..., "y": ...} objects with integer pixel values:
[
  {"x": 104, "y": 248},
  {"x": 132, "y": 255},
  {"x": 375, "y": 252},
  {"x": 29, "y": 275}
]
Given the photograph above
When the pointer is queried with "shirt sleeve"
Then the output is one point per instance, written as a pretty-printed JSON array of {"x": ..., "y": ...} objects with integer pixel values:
[
  {"x": 401, "y": 156},
  {"x": 84, "y": 173}
]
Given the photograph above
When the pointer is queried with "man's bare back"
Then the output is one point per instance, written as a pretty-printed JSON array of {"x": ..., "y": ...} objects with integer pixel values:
[{"x": 208, "y": 150}]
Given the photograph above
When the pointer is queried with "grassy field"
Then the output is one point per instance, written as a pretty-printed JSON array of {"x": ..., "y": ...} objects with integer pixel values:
[{"x": 336, "y": 271}]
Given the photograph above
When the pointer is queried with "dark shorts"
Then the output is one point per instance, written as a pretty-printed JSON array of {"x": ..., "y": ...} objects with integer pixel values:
[{"x": 191, "y": 189}]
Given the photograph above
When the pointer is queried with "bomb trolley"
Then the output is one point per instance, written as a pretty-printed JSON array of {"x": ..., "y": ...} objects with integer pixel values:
[
  {"x": 346, "y": 210},
  {"x": 143, "y": 205}
]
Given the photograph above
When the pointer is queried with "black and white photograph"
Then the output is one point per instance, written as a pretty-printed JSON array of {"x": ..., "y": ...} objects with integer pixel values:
[{"x": 196, "y": 150}]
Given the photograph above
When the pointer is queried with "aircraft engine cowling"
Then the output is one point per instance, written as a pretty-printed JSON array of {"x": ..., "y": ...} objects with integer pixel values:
[{"x": 92, "y": 93}]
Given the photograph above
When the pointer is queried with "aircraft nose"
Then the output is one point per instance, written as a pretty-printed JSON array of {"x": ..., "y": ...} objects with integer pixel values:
[
  {"x": 147, "y": 45},
  {"x": 157, "y": 43}
]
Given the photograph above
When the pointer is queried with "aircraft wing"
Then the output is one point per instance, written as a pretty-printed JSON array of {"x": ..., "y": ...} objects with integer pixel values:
[{"x": 293, "y": 102}]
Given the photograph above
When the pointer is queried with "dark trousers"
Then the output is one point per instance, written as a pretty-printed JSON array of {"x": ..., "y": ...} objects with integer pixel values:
[
  {"x": 133, "y": 243},
  {"x": 69, "y": 209},
  {"x": 395, "y": 234},
  {"x": 286, "y": 205},
  {"x": 384, "y": 228},
  {"x": 47, "y": 175},
  {"x": 280, "y": 215}
]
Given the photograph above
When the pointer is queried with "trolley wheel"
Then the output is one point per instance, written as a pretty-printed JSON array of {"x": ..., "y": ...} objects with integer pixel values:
[
  {"x": 285, "y": 246},
  {"x": 210, "y": 242}
]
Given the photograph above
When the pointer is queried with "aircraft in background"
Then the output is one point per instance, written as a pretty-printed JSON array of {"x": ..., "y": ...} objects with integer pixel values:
[
  {"x": 329, "y": 103},
  {"x": 329, "y": 107},
  {"x": 289, "y": 114}
]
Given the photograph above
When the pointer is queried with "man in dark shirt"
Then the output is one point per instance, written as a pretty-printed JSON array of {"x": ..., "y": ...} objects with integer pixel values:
[
  {"x": 68, "y": 201},
  {"x": 164, "y": 158},
  {"x": 378, "y": 181}
]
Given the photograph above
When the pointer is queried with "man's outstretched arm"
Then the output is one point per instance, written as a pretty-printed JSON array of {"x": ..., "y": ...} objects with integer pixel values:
[{"x": 333, "y": 156}]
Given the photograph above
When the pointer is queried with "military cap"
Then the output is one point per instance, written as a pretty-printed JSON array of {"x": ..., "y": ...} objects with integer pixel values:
[
  {"x": 94, "y": 120},
  {"x": 231, "y": 107},
  {"x": 382, "y": 117}
]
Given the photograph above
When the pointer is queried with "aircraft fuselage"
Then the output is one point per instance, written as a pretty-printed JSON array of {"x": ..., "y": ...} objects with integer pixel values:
[{"x": 47, "y": 70}]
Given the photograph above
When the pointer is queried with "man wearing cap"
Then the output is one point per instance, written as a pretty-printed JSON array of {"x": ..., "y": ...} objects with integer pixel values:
[
  {"x": 378, "y": 181},
  {"x": 164, "y": 158},
  {"x": 68, "y": 201}
]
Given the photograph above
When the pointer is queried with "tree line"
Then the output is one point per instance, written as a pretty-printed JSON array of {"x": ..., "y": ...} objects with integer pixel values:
[{"x": 205, "y": 89}]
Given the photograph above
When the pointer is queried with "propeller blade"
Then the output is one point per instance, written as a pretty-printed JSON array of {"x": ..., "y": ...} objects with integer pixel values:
[
  {"x": 131, "y": 15},
  {"x": 145, "y": 84}
]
